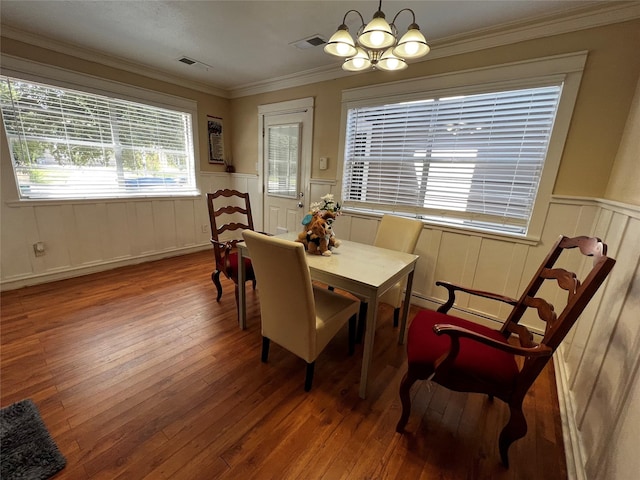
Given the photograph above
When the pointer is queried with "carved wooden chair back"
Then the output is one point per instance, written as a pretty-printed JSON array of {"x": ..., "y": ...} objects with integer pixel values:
[{"x": 229, "y": 216}]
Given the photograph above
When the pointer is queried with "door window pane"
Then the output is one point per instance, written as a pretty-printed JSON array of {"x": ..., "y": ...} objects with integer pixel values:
[{"x": 283, "y": 156}]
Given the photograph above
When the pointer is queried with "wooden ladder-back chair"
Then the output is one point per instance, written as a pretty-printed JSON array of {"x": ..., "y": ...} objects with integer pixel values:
[
  {"x": 466, "y": 357},
  {"x": 229, "y": 215}
]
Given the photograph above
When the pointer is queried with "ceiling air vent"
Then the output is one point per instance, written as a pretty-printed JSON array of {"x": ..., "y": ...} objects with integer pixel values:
[
  {"x": 195, "y": 63},
  {"x": 309, "y": 42}
]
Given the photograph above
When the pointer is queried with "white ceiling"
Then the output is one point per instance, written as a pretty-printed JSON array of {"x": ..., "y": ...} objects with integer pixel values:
[{"x": 244, "y": 43}]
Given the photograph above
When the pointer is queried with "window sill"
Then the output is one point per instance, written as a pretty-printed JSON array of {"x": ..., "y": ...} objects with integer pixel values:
[
  {"x": 431, "y": 225},
  {"x": 80, "y": 201}
]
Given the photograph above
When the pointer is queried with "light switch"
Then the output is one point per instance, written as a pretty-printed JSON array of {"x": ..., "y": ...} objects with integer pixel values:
[{"x": 324, "y": 163}]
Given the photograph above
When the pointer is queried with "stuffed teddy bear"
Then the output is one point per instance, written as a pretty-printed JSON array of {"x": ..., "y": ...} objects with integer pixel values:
[{"x": 318, "y": 236}]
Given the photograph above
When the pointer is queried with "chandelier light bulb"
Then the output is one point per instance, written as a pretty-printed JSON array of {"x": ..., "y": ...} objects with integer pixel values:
[
  {"x": 359, "y": 62},
  {"x": 411, "y": 48},
  {"x": 343, "y": 49},
  {"x": 377, "y": 38},
  {"x": 388, "y": 61}
]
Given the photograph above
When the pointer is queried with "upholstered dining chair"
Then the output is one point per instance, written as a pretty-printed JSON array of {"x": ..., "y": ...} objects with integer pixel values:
[
  {"x": 467, "y": 357},
  {"x": 295, "y": 314},
  {"x": 229, "y": 215},
  {"x": 400, "y": 234}
]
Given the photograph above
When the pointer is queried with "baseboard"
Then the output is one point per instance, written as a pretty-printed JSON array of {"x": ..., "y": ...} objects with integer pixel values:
[
  {"x": 572, "y": 444},
  {"x": 65, "y": 273}
]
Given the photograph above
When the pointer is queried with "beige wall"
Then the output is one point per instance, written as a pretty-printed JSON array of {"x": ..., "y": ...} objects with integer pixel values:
[
  {"x": 624, "y": 183},
  {"x": 601, "y": 112},
  {"x": 608, "y": 86},
  {"x": 207, "y": 104}
]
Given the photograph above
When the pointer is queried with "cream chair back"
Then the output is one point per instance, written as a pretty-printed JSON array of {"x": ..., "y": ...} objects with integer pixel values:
[
  {"x": 401, "y": 234},
  {"x": 286, "y": 295},
  {"x": 398, "y": 233}
]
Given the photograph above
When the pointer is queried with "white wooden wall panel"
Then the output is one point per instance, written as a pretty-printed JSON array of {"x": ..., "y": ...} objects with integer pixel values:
[
  {"x": 515, "y": 277},
  {"x": 428, "y": 261},
  {"x": 51, "y": 225},
  {"x": 16, "y": 248},
  {"x": 164, "y": 224},
  {"x": 607, "y": 352},
  {"x": 605, "y": 317},
  {"x": 423, "y": 275},
  {"x": 143, "y": 227},
  {"x": 84, "y": 232},
  {"x": 186, "y": 223},
  {"x": 491, "y": 273},
  {"x": 619, "y": 458},
  {"x": 118, "y": 236}
]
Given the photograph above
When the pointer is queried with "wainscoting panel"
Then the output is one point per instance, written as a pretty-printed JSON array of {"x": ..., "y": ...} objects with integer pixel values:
[
  {"x": 598, "y": 365},
  {"x": 85, "y": 237}
]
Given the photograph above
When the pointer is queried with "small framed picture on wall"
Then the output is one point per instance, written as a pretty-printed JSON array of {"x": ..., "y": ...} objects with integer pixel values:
[{"x": 216, "y": 140}]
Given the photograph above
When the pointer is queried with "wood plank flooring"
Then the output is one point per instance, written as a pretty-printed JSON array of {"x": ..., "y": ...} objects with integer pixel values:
[{"x": 140, "y": 374}]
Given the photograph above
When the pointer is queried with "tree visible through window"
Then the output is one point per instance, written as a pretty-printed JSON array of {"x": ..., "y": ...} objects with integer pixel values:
[
  {"x": 72, "y": 144},
  {"x": 473, "y": 160}
]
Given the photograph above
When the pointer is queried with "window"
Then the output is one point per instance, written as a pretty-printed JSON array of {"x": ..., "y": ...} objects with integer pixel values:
[
  {"x": 472, "y": 160},
  {"x": 70, "y": 144},
  {"x": 475, "y": 149},
  {"x": 282, "y": 160}
]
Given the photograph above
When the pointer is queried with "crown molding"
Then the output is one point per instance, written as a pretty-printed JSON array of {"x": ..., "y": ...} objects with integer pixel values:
[
  {"x": 109, "y": 61},
  {"x": 579, "y": 18}
]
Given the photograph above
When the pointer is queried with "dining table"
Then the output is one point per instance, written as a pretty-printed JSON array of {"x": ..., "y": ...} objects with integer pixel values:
[{"x": 363, "y": 270}]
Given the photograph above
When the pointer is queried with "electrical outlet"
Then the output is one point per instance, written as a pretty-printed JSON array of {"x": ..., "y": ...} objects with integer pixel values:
[
  {"x": 205, "y": 228},
  {"x": 38, "y": 249},
  {"x": 324, "y": 163}
]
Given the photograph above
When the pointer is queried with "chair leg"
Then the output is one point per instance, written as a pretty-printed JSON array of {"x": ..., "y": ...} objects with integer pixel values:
[
  {"x": 215, "y": 278},
  {"x": 396, "y": 317},
  {"x": 515, "y": 428},
  {"x": 352, "y": 335},
  {"x": 405, "y": 398},
  {"x": 362, "y": 321},
  {"x": 308, "y": 379},
  {"x": 265, "y": 349}
]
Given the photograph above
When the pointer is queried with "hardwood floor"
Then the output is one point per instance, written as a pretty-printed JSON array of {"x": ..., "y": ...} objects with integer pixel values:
[{"x": 140, "y": 374}]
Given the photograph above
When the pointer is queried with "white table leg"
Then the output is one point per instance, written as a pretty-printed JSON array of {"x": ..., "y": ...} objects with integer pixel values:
[
  {"x": 370, "y": 332},
  {"x": 242, "y": 307},
  {"x": 405, "y": 308}
]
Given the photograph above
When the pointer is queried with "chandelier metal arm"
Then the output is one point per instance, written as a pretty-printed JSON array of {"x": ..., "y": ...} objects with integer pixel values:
[
  {"x": 413, "y": 15},
  {"x": 344, "y": 20}
]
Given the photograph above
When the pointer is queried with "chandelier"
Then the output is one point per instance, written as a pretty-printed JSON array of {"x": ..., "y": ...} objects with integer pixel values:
[{"x": 377, "y": 45}]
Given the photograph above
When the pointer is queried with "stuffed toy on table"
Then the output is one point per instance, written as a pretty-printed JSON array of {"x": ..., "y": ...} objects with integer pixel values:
[{"x": 318, "y": 237}]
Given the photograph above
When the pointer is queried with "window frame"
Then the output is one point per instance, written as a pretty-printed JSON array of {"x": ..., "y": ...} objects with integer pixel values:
[
  {"x": 30, "y": 71},
  {"x": 566, "y": 68}
]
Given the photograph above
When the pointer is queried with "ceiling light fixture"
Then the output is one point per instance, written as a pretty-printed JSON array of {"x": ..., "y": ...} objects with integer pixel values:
[{"x": 377, "y": 45}]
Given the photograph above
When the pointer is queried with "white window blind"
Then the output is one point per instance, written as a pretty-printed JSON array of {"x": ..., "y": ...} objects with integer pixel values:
[
  {"x": 68, "y": 144},
  {"x": 283, "y": 156},
  {"x": 472, "y": 160}
]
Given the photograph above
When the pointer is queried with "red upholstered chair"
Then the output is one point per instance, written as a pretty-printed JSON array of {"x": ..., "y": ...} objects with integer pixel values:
[
  {"x": 466, "y": 357},
  {"x": 229, "y": 215}
]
